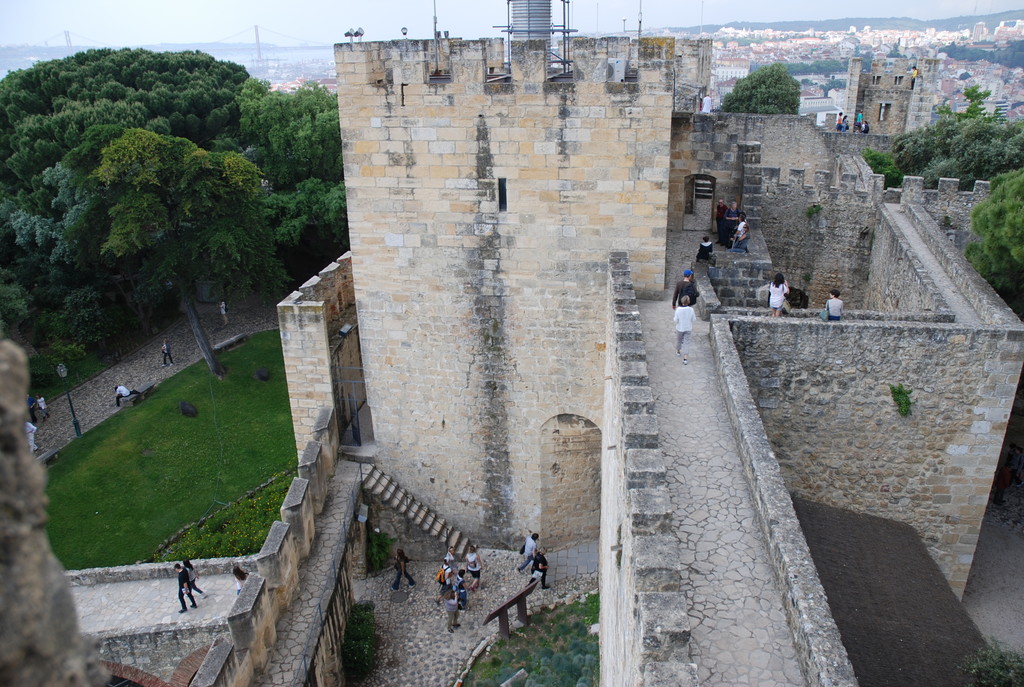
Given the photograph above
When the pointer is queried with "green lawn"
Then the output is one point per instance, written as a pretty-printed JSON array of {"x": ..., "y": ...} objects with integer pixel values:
[{"x": 118, "y": 492}]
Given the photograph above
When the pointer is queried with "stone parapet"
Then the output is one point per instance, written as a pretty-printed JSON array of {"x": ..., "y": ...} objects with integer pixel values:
[
  {"x": 646, "y": 630},
  {"x": 820, "y": 648}
]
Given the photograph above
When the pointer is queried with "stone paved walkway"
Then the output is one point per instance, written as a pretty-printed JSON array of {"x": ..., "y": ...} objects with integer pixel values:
[
  {"x": 94, "y": 399},
  {"x": 125, "y": 606},
  {"x": 739, "y": 631},
  {"x": 414, "y": 648}
]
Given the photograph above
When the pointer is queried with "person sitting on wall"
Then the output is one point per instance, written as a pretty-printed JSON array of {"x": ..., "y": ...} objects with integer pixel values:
[
  {"x": 742, "y": 235},
  {"x": 706, "y": 250},
  {"x": 834, "y": 306}
]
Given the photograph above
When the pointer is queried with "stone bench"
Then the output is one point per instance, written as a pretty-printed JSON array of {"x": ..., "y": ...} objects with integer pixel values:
[
  {"x": 139, "y": 394},
  {"x": 228, "y": 344},
  {"x": 49, "y": 456}
]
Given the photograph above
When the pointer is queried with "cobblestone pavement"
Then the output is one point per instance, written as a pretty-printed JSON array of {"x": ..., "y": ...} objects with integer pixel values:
[
  {"x": 126, "y": 606},
  {"x": 414, "y": 648},
  {"x": 94, "y": 399},
  {"x": 739, "y": 631}
]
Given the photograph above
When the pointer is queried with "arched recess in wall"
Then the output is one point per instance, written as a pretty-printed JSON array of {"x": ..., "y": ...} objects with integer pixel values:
[{"x": 570, "y": 459}]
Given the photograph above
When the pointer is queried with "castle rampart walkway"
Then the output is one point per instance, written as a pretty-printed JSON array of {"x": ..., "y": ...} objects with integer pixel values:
[{"x": 739, "y": 630}]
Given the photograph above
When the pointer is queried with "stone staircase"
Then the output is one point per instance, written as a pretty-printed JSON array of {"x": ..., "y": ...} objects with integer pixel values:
[{"x": 389, "y": 491}]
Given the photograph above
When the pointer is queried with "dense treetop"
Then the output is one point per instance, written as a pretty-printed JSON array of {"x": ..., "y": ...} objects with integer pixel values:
[
  {"x": 769, "y": 90},
  {"x": 46, "y": 110}
]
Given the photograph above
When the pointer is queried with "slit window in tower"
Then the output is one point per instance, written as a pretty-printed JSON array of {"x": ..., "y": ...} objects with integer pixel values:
[{"x": 502, "y": 195}]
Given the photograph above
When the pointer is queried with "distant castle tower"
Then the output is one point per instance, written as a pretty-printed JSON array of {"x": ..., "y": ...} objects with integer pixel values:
[{"x": 891, "y": 97}]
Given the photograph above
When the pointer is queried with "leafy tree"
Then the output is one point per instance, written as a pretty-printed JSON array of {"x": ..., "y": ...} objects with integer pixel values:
[
  {"x": 295, "y": 139},
  {"x": 13, "y": 301},
  {"x": 999, "y": 222},
  {"x": 882, "y": 163},
  {"x": 769, "y": 90},
  {"x": 967, "y": 148},
  {"x": 45, "y": 110},
  {"x": 188, "y": 215}
]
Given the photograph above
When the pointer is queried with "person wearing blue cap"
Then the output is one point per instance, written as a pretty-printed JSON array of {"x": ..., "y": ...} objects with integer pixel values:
[{"x": 685, "y": 287}]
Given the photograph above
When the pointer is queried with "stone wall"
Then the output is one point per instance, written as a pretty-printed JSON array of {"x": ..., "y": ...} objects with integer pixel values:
[
  {"x": 309, "y": 319},
  {"x": 40, "y": 643},
  {"x": 241, "y": 642},
  {"x": 948, "y": 205},
  {"x": 645, "y": 630},
  {"x": 829, "y": 415},
  {"x": 819, "y": 646},
  {"x": 482, "y": 206}
]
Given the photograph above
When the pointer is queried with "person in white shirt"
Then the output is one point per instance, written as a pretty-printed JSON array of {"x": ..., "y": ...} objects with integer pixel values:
[
  {"x": 121, "y": 391},
  {"x": 683, "y": 317},
  {"x": 30, "y": 433},
  {"x": 777, "y": 291},
  {"x": 529, "y": 550}
]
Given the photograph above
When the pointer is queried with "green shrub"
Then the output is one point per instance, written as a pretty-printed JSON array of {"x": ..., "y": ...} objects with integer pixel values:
[
  {"x": 237, "y": 530},
  {"x": 995, "y": 666},
  {"x": 378, "y": 550},
  {"x": 359, "y": 650},
  {"x": 883, "y": 163},
  {"x": 901, "y": 396}
]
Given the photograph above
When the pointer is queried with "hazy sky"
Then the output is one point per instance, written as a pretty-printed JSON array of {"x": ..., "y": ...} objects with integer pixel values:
[{"x": 137, "y": 22}]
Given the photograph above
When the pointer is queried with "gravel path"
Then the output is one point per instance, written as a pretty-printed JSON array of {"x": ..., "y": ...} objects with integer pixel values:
[{"x": 94, "y": 399}]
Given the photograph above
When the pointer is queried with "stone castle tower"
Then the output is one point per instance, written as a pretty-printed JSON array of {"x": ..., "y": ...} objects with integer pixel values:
[
  {"x": 891, "y": 98},
  {"x": 485, "y": 192}
]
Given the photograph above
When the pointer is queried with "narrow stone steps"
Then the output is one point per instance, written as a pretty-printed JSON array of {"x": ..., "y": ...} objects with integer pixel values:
[{"x": 394, "y": 496}]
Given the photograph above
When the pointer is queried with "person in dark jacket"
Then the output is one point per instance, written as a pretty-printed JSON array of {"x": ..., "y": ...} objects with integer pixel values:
[
  {"x": 540, "y": 564},
  {"x": 685, "y": 287},
  {"x": 183, "y": 587}
]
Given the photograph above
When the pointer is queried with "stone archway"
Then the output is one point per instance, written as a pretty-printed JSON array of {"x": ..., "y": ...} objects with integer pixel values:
[{"x": 570, "y": 465}]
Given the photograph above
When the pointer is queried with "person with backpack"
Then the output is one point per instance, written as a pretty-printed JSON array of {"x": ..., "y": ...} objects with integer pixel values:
[
  {"x": 401, "y": 561},
  {"x": 459, "y": 585},
  {"x": 442, "y": 578},
  {"x": 528, "y": 549}
]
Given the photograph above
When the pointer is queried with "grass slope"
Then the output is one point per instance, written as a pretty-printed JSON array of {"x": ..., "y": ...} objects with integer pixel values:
[{"x": 137, "y": 478}]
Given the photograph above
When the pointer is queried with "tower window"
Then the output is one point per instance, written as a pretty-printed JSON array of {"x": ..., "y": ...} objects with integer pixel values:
[
  {"x": 502, "y": 194},
  {"x": 897, "y": 80}
]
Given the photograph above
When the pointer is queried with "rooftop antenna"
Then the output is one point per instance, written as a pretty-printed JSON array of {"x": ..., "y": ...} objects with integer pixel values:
[{"x": 437, "y": 50}]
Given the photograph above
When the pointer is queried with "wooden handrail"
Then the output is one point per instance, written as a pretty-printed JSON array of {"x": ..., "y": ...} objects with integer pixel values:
[{"x": 519, "y": 601}]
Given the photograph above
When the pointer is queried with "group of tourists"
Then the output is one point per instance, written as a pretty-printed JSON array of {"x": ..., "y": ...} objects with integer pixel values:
[
  {"x": 860, "y": 124},
  {"x": 733, "y": 230},
  {"x": 457, "y": 579}
]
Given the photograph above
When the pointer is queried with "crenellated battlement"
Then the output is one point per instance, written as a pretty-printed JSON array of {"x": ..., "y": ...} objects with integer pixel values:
[{"x": 493, "y": 66}]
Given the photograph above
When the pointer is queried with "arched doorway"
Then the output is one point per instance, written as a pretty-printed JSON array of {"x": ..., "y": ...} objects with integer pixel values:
[{"x": 570, "y": 460}]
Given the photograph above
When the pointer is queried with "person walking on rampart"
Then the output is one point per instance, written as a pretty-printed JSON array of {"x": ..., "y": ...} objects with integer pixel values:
[
  {"x": 32, "y": 409},
  {"x": 224, "y": 312},
  {"x": 777, "y": 291},
  {"x": 183, "y": 587},
  {"x": 474, "y": 564},
  {"x": 529, "y": 550},
  {"x": 685, "y": 287},
  {"x": 401, "y": 561},
  {"x": 240, "y": 577},
  {"x": 192, "y": 576},
  {"x": 683, "y": 318}
]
